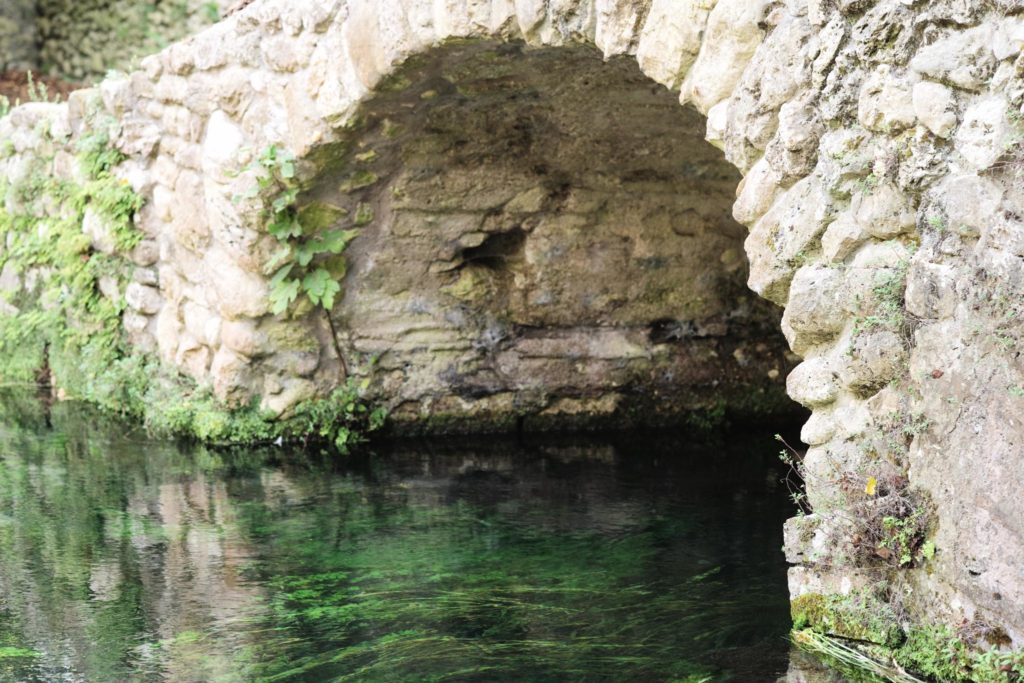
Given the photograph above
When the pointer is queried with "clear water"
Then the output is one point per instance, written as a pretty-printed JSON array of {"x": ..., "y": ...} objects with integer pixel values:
[{"x": 619, "y": 558}]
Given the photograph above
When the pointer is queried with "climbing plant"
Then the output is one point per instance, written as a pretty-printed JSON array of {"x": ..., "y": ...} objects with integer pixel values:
[{"x": 310, "y": 263}]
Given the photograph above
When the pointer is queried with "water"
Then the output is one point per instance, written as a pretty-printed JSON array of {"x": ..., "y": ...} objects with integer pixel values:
[{"x": 619, "y": 558}]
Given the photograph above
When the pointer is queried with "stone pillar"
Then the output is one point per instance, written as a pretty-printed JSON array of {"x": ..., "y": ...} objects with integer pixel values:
[{"x": 18, "y": 37}]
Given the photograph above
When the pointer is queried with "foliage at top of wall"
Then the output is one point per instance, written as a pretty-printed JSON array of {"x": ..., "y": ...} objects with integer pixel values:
[{"x": 83, "y": 39}]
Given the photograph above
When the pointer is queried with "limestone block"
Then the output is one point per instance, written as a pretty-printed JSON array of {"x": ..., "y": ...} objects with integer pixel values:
[
  {"x": 671, "y": 39},
  {"x": 852, "y": 417},
  {"x": 242, "y": 337},
  {"x": 985, "y": 132},
  {"x": 819, "y": 428},
  {"x": 290, "y": 392},
  {"x": 962, "y": 59},
  {"x": 732, "y": 37},
  {"x": 140, "y": 330},
  {"x": 143, "y": 298},
  {"x": 878, "y": 255},
  {"x": 814, "y": 383},
  {"x": 756, "y": 193},
  {"x": 168, "y": 333},
  {"x": 202, "y": 323},
  {"x": 931, "y": 290},
  {"x": 190, "y": 225},
  {"x": 783, "y": 236},
  {"x": 145, "y": 276},
  {"x": 1008, "y": 40},
  {"x": 530, "y": 14},
  {"x": 99, "y": 230},
  {"x": 718, "y": 125},
  {"x": 617, "y": 24},
  {"x": 1008, "y": 233},
  {"x": 232, "y": 377},
  {"x": 284, "y": 54},
  {"x": 164, "y": 171},
  {"x": 193, "y": 358},
  {"x": 842, "y": 237},
  {"x": 238, "y": 293},
  {"x": 794, "y": 150},
  {"x": 223, "y": 140},
  {"x": 171, "y": 88},
  {"x": 886, "y": 102},
  {"x": 970, "y": 203},
  {"x": 935, "y": 106},
  {"x": 334, "y": 81},
  {"x": 884, "y": 212},
  {"x": 814, "y": 312},
  {"x": 874, "y": 360},
  {"x": 110, "y": 287}
]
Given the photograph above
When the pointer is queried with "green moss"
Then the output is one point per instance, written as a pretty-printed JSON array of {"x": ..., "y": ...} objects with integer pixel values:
[
  {"x": 932, "y": 652},
  {"x": 857, "y": 616},
  {"x": 319, "y": 216}
]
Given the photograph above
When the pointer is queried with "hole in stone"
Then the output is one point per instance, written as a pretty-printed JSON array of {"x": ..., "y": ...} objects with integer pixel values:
[
  {"x": 497, "y": 250},
  {"x": 667, "y": 330}
]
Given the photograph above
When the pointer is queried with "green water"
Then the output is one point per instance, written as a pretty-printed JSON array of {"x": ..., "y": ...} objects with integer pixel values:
[{"x": 617, "y": 558}]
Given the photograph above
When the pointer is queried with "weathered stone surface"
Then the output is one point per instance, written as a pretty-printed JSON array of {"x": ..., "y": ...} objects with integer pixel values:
[
  {"x": 935, "y": 106},
  {"x": 671, "y": 38},
  {"x": 143, "y": 299},
  {"x": 886, "y": 102},
  {"x": 732, "y": 36},
  {"x": 884, "y": 212},
  {"x": 814, "y": 313},
  {"x": 963, "y": 59},
  {"x": 985, "y": 133}
]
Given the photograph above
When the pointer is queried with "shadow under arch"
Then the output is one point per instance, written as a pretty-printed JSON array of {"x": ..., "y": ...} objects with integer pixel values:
[{"x": 546, "y": 241}]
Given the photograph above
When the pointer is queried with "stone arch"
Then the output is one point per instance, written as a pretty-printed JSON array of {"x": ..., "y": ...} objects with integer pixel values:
[
  {"x": 544, "y": 238},
  {"x": 352, "y": 53}
]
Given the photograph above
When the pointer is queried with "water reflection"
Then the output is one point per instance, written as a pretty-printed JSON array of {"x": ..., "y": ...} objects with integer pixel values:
[{"x": 558, "y": 559}]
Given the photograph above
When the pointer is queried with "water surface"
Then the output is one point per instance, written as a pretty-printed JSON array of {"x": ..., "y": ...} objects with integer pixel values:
[{"x": 600, "y": 558}]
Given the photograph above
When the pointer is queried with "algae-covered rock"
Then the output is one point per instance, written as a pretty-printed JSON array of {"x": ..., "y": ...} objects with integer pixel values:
[{"x": 857, "y": 616}]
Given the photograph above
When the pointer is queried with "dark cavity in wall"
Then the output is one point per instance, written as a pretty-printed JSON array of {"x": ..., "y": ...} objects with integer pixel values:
[{"x": 547, "y": 241}]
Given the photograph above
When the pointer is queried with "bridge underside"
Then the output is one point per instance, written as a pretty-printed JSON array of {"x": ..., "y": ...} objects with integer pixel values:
[{"x": 548, "y": 241}]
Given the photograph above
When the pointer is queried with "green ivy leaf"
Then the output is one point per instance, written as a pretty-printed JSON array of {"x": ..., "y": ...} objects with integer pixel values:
[
  {"x": 284, "y": 227},
  {"x": 283, "y": 295},
  {"x": 283, "y": 201},
  {"x": 305, "y": 252},
  {"x": 280, "y": 276},
  {"x": 278, "y": 258},
  {"x": 335, "y": 241},
  {"x": 331, "y": 291}
]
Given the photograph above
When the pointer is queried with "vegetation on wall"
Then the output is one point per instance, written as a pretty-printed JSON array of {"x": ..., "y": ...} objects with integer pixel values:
[
  {"x": 62, "y": 323},
  {"x": 309, "y": 265}
]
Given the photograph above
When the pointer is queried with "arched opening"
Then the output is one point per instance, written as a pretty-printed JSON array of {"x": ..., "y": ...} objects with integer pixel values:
[{"x": 546, "y": 239}]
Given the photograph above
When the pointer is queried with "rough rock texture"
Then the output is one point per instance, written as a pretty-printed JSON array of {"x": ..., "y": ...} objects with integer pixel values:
[{"x": 880, "y": 148}]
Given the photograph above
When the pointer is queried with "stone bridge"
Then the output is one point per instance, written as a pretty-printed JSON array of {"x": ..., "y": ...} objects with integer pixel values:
[{"x": 547, "y": 230}]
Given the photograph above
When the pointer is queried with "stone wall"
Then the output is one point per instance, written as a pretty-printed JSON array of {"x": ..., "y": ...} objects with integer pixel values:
[{"x": 879, "y": 144}]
